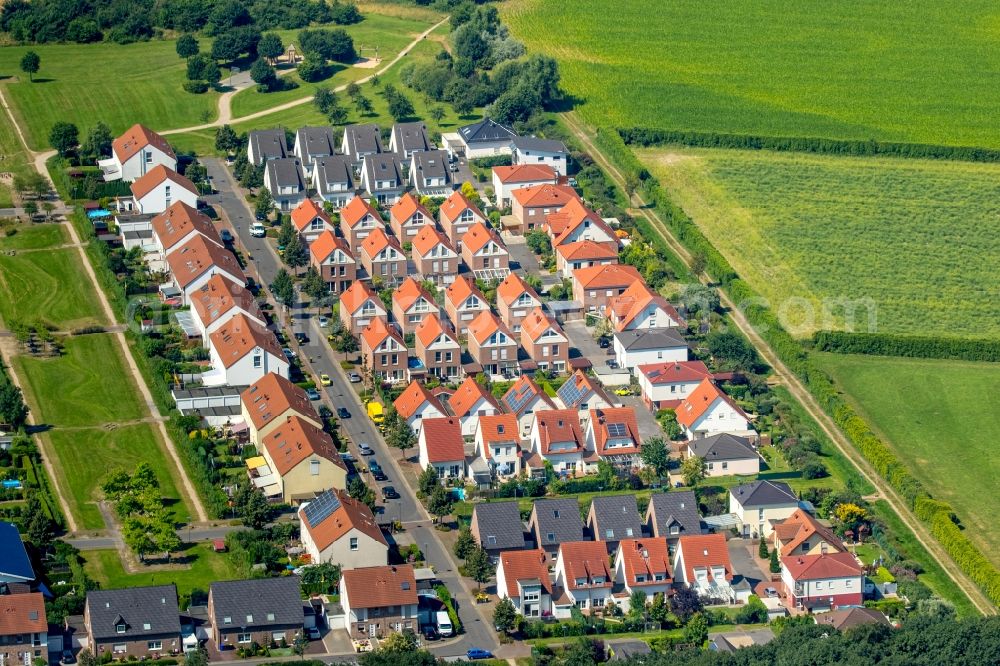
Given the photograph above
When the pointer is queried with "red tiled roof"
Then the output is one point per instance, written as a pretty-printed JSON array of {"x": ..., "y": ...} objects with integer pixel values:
[
  {"x": 478, "y": 235},
  {"x": 553, "y": 196},
  {"x": 357, "y": 294},
  {"x": 306, "y": 212},
  {"x": 239, "y": 336},
  {"x": 453, "y": 206},
  {"x": 377, "y": 241},
  {"x": 704, "y": 551},
  {"x": 220, "y": 295},
  {"x": 525, "y": 173},
  {"x": 403, "y": 210},
  {"x": 415, "y": 395},
  {"x": 271, "y": 396},
  {"x": 586, "y": 560},
  {"x": 325, "y": 245},
  {"x": 558, "y": 426},
  {"x": 199, "y": 255},
  {"x": 646, "y": 557},
  {"x": 822, "y": 567},
  {"x": 351, "y": 515},
  {"x": 135, "y": 139},
  {"x": 427, "y": 238},
  {"x": 22, "y": 614},
  {"x": 355, "y": 211},
  {"x": 431, "y": 328},
  {"x": 574, "y": 214},
  {"x": 610, "y": 275},
  {"x": 631, "y": 303},
  {"x": 498, "y": 429},
  {"x": 512, "y": 287},
  {"x": 486, "y": 324},
  {"x": 461, "y": 289},
  {"x": 525, "y": 384},
  {"x": 588, "y": 250},
  {"x": 380, "y": 587},
  {"x": 467, "y": 395},
  {"x": 525, "y": 565},
  {"x": 377, "y": 331},
  {"x": 148, "y": 181},
  {"x": 799, "y": 527},
  {"x": 295, "y": 440},
  {"x": 676, "y": 371},
  {"x": 409, "y": 292},
  {"x": 443, "y": 439},
  {"x": 703, "y": 397},
  {"x": 537, "y": 322},
  {"x": 178, "y": 221},
  {"x": 600, "y": 419}
]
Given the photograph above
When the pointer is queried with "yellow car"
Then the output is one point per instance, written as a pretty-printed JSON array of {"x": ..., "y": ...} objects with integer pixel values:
[
  {"x": 623, "y": 391},
  {"x": 324, "y": 379}
]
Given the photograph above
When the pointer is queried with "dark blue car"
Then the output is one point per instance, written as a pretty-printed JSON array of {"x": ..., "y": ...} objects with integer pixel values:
[{"x": 479, "y": 653}]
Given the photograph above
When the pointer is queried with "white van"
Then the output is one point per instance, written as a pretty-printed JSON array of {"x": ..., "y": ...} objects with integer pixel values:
[{"x": 443, "y": 624}]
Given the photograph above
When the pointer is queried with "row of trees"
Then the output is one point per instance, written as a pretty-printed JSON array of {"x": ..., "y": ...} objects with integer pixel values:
[{"x": 146, "y": 526}]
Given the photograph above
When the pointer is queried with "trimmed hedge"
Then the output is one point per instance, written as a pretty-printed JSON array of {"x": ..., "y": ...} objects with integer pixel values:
[
  {"x": 916, "y": 346},
  {"x": 644, "y": 136}
]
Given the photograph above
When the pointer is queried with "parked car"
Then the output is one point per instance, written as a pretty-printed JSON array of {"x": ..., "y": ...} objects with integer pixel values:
[
  {"x": 226, "y": 236},
  {"x": 604, "y": 343},
  {"x": 67, "y": 657},
  {"x": 324, "y": 379},
  {"x": 478, "y": 653},
  {"x": 342, "y": 413},
  {"x": 312, "y": 394},
  {"x": 388, "y": 492},
  {"x": 346, "y": 456},
  {"x": 301, "y": 337},
  {"x": 771, "y": 592},
  {"x": 354, "y": 378},
  {"x": 623, "y": 391},
  {"x": 257, "y": 230},
  {"x": 430, "y": 633},
  {"x": 313, "y": 633},
  {"x": 377, "y": 472},
  {"x": 365, "y": 450},
  {"x": 289, "y": 353},
  {"x": 324, "y": 322},
  {"x": 612, "y": 363}
]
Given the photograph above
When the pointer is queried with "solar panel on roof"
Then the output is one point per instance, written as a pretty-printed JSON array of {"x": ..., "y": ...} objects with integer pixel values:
[
  {"x": 571, "y": 392},
  {"x": 320, "y": 508},
  {"x": 518, "y": 400},
  {"x": 616, "y": 429}
]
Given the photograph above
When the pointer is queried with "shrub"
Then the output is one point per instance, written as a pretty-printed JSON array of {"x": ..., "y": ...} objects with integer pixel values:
[{"x": 196, "y": 87}]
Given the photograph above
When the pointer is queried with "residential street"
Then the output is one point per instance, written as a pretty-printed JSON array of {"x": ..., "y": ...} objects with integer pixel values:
[{"x": 321, "y": 358}]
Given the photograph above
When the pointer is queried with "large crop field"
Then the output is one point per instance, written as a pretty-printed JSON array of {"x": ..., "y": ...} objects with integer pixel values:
[
  {"x": 918, "y": 239},
  {"x": 920, "y": 71},
  {"x": 943, "y": 417}
]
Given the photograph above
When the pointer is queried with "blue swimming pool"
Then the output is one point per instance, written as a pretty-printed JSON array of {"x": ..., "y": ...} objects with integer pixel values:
[
  {"x": 98, "y": 213},
  {"x": 12, "y": 483}
]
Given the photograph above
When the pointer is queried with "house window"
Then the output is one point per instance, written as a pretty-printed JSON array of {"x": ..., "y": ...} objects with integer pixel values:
[
  {"x": 119, "y": 647},
  {"x": 227, "y": 620},
  {"x": 640, "y": 578},
  {"x": 249, "y": 618},
  {"x": 848, "y": 583},
  {"x": 354, "y": 543},
  {"x": 657, "y": 576},
  {"x": 609, "y": 534},
  {"x": 257, "y": 361},
  {"x": 491, "y": 540},
  {"x": 243, "y": 637},
  {"x": 628, "y": 531},
  {"x": 120, "y": 628},
  {"x": 599, "y": 602},
  {"x": 819, "y": 585},
  {"x": 725, "y": 465},
  {"x": 550, "y": 537},
  {"x": 154, "y": 645},
  {"x": 314, "y": 467},
  {"x": 674, "y": 529}
]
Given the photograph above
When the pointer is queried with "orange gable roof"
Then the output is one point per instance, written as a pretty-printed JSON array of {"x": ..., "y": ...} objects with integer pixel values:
[
  {"x": 306, "y": 212},
  {"x": 271, "y": 396},
  {"x": 704, "y": 551},
  {"x": 703, "y": 397},
  {"x": 486, "y": 324},
  {"x": 198, "y": 256},
  {"x": 610, "y": 275},
  {"x": 586, "y": 560},
  {"x": 467, "y": 395},
  {"x": 454, "y": 205},
  {"x": 461, "y": 289},
  {"x": 631, "y": 303},
  {"x": 498, "y": 429},
  {"x": 427, "y": 238},
  {"x": 799, "y": 527},
  {"x": 522, "y": 392},
  {"x": 325, "y": 245},
  {"x": 409, "y": 292},
  {"x": 351, "y": 515},
  {"x": 431, "y": 328},
  {"x": 357, "y": 294},
  {"x": 443, "y": 439},
  {"x": 588, "y": 250},
  {"x": 239, "y": 336},
  {"x": 217, "y": 297},
  {"x": 403, "y": 210},
  {"x": 557, "y": 426},
  {"x": 377, "y": 331},
  {"x": 602, "y": 419},
  {"x": 822, "y": 567},
  {"x": 550, "y": 196},
  {"x": 575, "y": 213},
  {"x": 525, "y": 173},
  {"x": 148, "y": 181},
  {"x": 478, "y": 236},
  {"x": 525, "y": 565},
  {"x": 22, "y": 614},
  {"x": 537, "y": 322},
  {"x": 645, "y": 557},
  {"x": 512, "y": 287},
  {"x": 135, "y": 139},
  {"x": 178, "y": 221},
  {"x": 676, "y": 371},
  {"x": 377, "y": 241},
  {"x": 410, "y": 400},
  {"x": 381, "y": 587},
  {"x": 295, "y": 440},
  {"x": 355, "y": 211}
]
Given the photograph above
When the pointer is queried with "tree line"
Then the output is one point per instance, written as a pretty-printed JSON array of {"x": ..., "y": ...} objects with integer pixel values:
[{"x": 915, "y": 346}]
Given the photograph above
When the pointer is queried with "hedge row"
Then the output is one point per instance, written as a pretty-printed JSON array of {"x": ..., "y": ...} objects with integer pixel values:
[
  {"x": 819, "y": 384},
  {"x": 644, "y": 136},
  {"x": 917, "y": 346}
]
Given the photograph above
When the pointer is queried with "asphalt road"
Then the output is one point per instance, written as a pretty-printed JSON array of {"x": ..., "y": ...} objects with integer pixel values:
[{"x": 358, "y": 428}]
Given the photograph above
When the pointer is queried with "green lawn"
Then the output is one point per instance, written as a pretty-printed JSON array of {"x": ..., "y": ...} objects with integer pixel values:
[
  {"x": 13, "y": 158},
  {"x": 51, "y": 285},
  {"x": 911, "y": 244},
  {"x": 943, "y": 418},
  {"x": 88, "y": 385},
  {"x": 201, "y": 568},
  {"x": 915, "y": 71},
  {"x": 33, "y": 237}
]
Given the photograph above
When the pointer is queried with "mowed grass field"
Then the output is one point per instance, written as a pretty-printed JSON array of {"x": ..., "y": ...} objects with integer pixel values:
[
  {"x": 920, "y": 71},
  {"x": 50, "y": 285},
  {"x": 204, "y": 568},
  {"x": 918, "y": 239},
  {"x": 29, "y": 236},
  {"x": 943, "y": 417}
]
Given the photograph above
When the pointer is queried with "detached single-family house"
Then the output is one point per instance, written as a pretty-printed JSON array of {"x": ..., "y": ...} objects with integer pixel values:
[
  {"x": 497, "y": 526},
  {"x": 848, "y": 618},
  {"x": 595, "y": 286},
  {"x": 463, "y": 302},
  {"x": 531, "y": 205},
  {"x": 411, "y": 303},
  {"x": 382, "y": 177},
  {"x": 339, "y": 529},
  {"x": 555, "y": 521},
  {"x": 264, "y": 145},
  {"x": 825, "y": 581},
  {"x": 642, "y": 346},
  {"x": 360, "y": 306},
  {"x": 801, "y": 534},
  {"x": 644, "y": 565},
  {"x": 760, "y": 504},
  {"x": 177, "y": 225},
  {"x": 483, "y": 252},
  {"x": 332, "y": 257},
  {"x": 434, "y": 256},
  {"x": 379, "y": 600},
  {"x": 673, "y": 515},
  {"x": 157, "y": 190},
  {"x": 523, "y": 577},
  {"x": 469, "y": 402},
  {"x": 613, "y": 518},
  {"x": 382, "y": 256},
  {"x": 584, "y": 576},
  {"x": 498, "y": 444},
  {"x": 360, "y": 141},
  {"x": 259, "y": 610},
  {"x": 333, "y": 179},
  {"x": 24, "y": 631},
  {"x": 709, "y": 411},
  {"x": 193, "y": 264},
  {"x": 438, "y": 349},
  {"x": 557, "y": 437},
  {"x": 457, "y": 215},
  {"x": 139, "y": 622},
  {"x": 613, "y": 433},
  {"x": 302, "y": 461},
  {"x": 271, "y": 401},
  {"x": 574, "y": 223},
  {"x": 506, "y": 179},
  {"x": 310, "y": 220},
  {"x": 409, "y": 138},
  {"x": 725, "y": 455},
  {"x": 383, "y": 351},
  {"x": 583, "y": 393},
  {"x": 491, "y": 344},
  {"x": 640, "y": 307},
  {"x": 407, "y": 217},
  {"x": 417, "y": 403},
  {"x": 531, "y": 150},
  {"x": 284, "y": 180},
  {"x": 357, "y": 220},
  {"x": 219, "y": 299},
  {"x": 136, "y": 152},
  {"x": 15, "y": 565},
  {"x": 515, "y": 299},
  {"x": 701, "y": 562},
  {"x": 242, "y": 352},
  {"x": 584, "y": 254},
  {"x": 523, "y": 399},
  {"x": 312, "y": 144},
  {"x": 664, "y": 385},
  {"x": 482, "y": 139},
  {"x": 545, "y": 341},
  {"x": 442, "y": 447}
]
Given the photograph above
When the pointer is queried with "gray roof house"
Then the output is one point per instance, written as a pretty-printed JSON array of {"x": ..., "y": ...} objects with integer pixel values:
[
  {"x": 429, "y": 173},
  {"x": 532, "y": 150},
  {"x": 673, "y": 515},
  {"x": 555, "y": 521},
  {"x": 262, "y": 608},
  {"x": 284, "y": 179},
  {"x": 409, "y": 138},
  {"x": 361, "y": 140},
  {"x": 649, "y": 345},
  {"x": 266, "y": 145},
  {"x": 312, "y": 143},
  {"x": 726, "y": 454},
  {"x": 760, "y": 504},
  {"x": 613, "y": 518},
  {"x": 764, "y": 493},
  {"x": 382, "y": 177},
  {"x": 133, "y": 620},
  {"x": 333, "y": 179},
  {"x": 487, "y": 137},
  {"x": 497, "y": 527}
]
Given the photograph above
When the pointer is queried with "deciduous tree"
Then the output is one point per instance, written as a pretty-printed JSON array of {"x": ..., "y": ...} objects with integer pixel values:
[
  {"x": 283, "y": 288},
  {"x": 187, "y": 46},
  {"x": 270, "y": 46},
  {"x": 656, "y": 454},
  {"x": 64, "y": 137},
  {"x": 478, "y": 566},
  {"x": 693, "y": 470},
  {"x": 504, "y": 615},
  {"x": 30, "y": 64}
]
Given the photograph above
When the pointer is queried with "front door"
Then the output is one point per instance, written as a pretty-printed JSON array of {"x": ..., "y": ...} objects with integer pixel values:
[{"x": 372, "y": 630}]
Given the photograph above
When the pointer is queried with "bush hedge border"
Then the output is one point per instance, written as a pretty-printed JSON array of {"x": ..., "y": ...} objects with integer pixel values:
[{"x": 911, "y": 346}]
